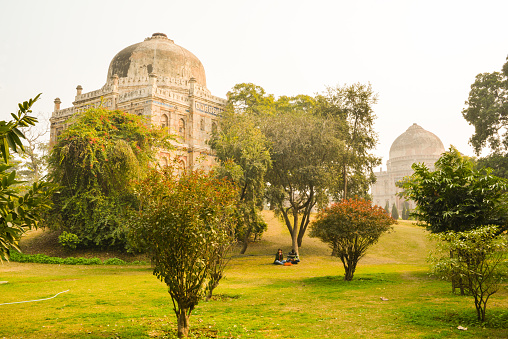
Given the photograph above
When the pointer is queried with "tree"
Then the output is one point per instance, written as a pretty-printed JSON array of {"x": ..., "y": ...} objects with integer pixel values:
[
  {"x": 319, "y": 147},
  {"x": 350, "y": 227},
  {"x": 387, "y": 208},
  {"x": 33, "y": 161},
  {"x": 476, "y": 256},
  {"x": 395, "y": 212},
  {"x": 187, "y": 223},
  {"x": 242, "y": 152},
  {"x": 305, "y": 155},
  {"x": 456, "y": 196},
  {"x": 18, "y": 213},
  {"x": 352, "y": 105},
  {"x": 487, "y": 111},
  {"x": 498, "y": 163},
  {"x": 405, "y": 211},
  {"x": 95, "y": 161}
]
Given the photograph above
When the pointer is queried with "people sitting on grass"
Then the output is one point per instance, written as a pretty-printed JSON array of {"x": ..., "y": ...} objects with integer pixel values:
[
  {"x": 279, "y": 258},
  {"x": 293, "y": 257}
]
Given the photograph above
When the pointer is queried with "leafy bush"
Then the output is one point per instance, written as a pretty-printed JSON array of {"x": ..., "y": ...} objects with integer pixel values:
[
  {"x": 350, "y": 227},
  {"x": 473, "y": 257},
  {"x": 44, "y": 259},
  {"x": 114, "y": 261},
  {"x": 95, "y": 160},
  {"x": 68, "y": 240}
]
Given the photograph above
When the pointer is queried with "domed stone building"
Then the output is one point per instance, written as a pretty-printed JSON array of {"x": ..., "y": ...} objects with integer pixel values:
[
  {"x": 415, "y": 145},
  {"x": 166, "y": 83}
]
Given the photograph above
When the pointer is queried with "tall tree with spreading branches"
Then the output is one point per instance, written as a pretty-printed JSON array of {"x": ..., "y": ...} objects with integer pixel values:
[{"x": 242, "y": 151}]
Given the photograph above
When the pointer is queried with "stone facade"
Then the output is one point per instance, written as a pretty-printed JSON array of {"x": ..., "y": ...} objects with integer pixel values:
[
  {"x": 415, "y": 145},
  {"x": 165, "y": 83}
]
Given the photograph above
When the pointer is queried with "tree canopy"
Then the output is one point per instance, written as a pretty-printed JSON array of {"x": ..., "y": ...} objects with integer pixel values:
[
  {"x": 318, "y": 146},
  {"x": 242, "y": 150},
  {"x": 94, "y": 161},
  {"x": 187, "y": 223},
  {"x": 456, "y": 196},
  {"x": 18, "y": 212},
  {"x": 350, "y": 227},
  {"x": 487, "y": 111}
]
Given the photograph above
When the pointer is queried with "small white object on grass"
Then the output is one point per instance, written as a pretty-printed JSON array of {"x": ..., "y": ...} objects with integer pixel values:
[
  {"x": 384, "y": 299},
  {"x": 462, "y": 328}
]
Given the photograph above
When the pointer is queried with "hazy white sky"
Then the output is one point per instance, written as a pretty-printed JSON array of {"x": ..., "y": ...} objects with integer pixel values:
[{"x": 420, "y": 56}]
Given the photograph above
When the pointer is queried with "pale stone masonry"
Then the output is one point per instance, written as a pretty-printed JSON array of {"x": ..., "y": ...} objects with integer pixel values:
[
  {"x": 164, "y": 82},
  {"x": 415, "y": 145}
]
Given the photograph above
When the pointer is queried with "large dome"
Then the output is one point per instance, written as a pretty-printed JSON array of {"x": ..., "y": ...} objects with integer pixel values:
[
  {"x": 158, "y": 55},
  {"x": 416, "y": 142}
]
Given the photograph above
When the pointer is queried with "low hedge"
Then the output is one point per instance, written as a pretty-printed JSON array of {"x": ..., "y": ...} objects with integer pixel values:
[{"x": 44, "y": 259}]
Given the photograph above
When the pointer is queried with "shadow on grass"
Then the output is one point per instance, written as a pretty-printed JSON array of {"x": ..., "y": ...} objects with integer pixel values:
[
  {"x": 359, "y": 281},
  {"x": 429, "y": 316}
]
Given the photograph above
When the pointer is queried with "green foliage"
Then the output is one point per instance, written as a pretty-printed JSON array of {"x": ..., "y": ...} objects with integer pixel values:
[
  {"x": 305, "y": 153},
  {"x": 395, "y": 212},
  {"x": 456, "y": 196},
  {"x": 187, "y": 222},
  {"x": 405, "y": 211},
  {"x": 95, "y": 161},
  {"x": 18, "y": 212},
  {"x": 472, "y": 256},
  {"x": 10, "y": 135},
  {"x": 318, "y": 147},
  {"x": 349, "y": 228},
  {"x": 352, "y": 105},
  {"x": 114, "y": 261},
  {"x": 44, "y": 259},
  {"x": 68, "y": 240},
  {"x": 387, "y": 208},
  {"x": 498, "y": 163},
  {"x": 243, "y": 154},
  {"x": 487, "y": 111}
]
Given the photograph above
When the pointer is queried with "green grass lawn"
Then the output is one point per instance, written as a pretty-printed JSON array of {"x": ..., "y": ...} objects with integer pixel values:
[{"x": 256, "y": 299}]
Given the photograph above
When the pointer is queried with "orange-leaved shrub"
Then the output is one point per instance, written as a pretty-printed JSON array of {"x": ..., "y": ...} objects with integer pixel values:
[{"x": 349, "y": 227}]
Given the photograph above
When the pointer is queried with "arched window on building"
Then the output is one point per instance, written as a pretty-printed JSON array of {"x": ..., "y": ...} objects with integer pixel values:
[
  {"x": 164, "y": 162},
  {"x": 181, "y": 167},
  {"x": 164, "y": 121},
  {"x": 181, "y": 129},
  {"x": 202, "y": 124}
]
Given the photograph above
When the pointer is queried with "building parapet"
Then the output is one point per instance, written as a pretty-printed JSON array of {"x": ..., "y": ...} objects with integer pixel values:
[{"x": 64, "y": 112}]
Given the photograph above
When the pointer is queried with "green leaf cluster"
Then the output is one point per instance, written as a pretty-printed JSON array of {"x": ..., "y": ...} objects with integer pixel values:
[
  {"x": 487, "y": 111},
  {"x": 456, "y": 196},
  {"x": 44, "y": 259},
  {"x": 18, "y": 211},
  {"x": 303, "y": 149},
  {"x": 95, "y": 161},
  {"x": 187, "y": 223},
  {"x": 472, "y": 257}
]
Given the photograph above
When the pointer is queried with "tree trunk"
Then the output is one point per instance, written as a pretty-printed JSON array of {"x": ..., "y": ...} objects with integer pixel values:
[
  {"x": 244, "y": 247},
  {"x": 183, "y": 323},
  {"x": 294, "y": 236},
  {"x": 345, "y": 183},
  {"x": 245, "y": 241}
]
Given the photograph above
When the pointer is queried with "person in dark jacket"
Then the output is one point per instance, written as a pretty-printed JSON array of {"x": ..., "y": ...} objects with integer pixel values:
[
  {"x": 279, "y": 258},
  {"x": 293, "y": 257}
]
